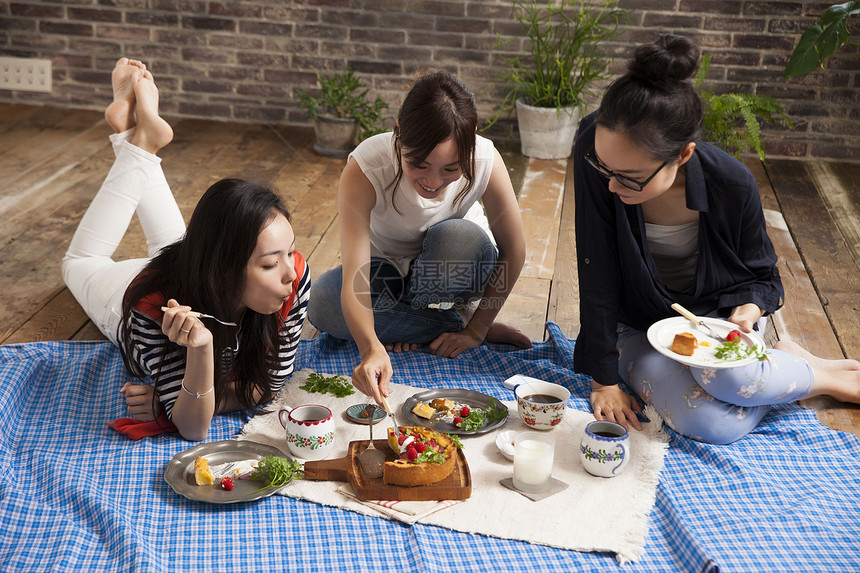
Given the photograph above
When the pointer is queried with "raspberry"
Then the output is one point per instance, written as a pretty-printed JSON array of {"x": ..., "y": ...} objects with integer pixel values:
[
  {"x": 420, "y": 447},
  {"x": 464, "y": 411},
  {"x": 227, "y": 483},
  {"x": 412, "y": 453},
  {"x": 734, "y": 336},
  {"x": 401, "y": 438},
  {"x": 458, "y": 420}
]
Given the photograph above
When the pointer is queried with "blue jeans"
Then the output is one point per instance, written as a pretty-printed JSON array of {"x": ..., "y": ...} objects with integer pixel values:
[
  {"x": 717, "y": 406},
  {"x": 456, "y": 261}
]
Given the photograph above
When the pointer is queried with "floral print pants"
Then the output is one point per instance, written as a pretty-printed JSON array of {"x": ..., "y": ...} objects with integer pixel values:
[{"x": 717, "y": 406}]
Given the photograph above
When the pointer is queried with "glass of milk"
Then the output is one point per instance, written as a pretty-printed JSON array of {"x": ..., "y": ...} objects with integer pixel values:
[{"x": 533, "y": 457}]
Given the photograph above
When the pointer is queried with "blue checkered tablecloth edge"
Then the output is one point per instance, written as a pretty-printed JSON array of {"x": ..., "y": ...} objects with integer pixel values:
[{"x": 75, "y": 496}]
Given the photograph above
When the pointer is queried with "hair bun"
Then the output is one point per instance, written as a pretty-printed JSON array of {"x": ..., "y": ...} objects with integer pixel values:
[{"x": 666, "y": 61}]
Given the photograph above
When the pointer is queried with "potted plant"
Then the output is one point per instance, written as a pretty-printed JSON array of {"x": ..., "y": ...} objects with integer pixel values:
[
  {"x": 820, "y": 41},
  {"x": 550, "y": 84},
  {"x": 733, "y": 120},
  {"x": 342, "y": 113}
]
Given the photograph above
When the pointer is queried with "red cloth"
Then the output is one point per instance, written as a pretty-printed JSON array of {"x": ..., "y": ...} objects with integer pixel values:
[{"x": 137, "y": 429}]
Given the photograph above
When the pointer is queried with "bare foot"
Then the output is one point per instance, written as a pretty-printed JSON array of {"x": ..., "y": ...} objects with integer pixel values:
[
  {"x": 506, "y": 334},
  {"x": 816, "y": 362},
  {"x": 153, "y": 132},
  {"x": 844, "y": 385},
  {"x": 837, "y": 378},
  {"x": 401, "y": 347},
  {"x": 120, "y": 112}
]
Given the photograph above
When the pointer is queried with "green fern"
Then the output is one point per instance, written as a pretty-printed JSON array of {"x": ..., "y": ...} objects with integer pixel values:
[{"x": 733, "y": 120}]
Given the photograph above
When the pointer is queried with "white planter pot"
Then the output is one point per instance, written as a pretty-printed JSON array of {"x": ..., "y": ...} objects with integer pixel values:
[{"x": 546, "y": 133}]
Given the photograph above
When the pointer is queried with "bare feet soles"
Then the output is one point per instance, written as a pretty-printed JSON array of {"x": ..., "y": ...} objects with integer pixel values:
[
  {"x": 135, "y": 104},
  {"x": 506, "y": 334},
  {"x": 152, "y": 132},
  {"x": 120, "y": 113}
]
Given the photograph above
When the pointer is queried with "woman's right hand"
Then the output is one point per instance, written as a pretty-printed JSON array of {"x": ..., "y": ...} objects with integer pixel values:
[
  {"x": 373, "y": 374},
  {"x": 615, "y": 405},
  {"x": 182, "y": 328},
  {"x": 139, "y": 401}
]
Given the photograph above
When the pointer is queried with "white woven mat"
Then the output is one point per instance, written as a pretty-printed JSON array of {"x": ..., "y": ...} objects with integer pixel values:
[{"x": 593, "y": 514}]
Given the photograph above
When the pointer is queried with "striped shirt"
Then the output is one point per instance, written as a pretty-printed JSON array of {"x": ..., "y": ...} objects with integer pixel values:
[{"x": 149, "y": 342}]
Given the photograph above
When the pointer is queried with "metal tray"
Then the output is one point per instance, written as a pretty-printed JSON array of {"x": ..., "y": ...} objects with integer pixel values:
[
  {"x": 460, "y": 395},
  {"x": 180, "y": 471}
]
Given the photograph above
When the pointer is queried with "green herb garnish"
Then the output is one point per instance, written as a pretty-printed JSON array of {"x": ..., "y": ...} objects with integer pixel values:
[
  {"x": 336, "y": 385},
  {"x": 429, "y": 456},
  {"x": 276, "y": 472},
  {"x": 731, "y": 350},
  {"x": 456, "y": 439},
  {"x": 479, "y": 417}
]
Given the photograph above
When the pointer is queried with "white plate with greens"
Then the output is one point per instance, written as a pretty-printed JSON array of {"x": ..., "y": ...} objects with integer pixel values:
[{"x": 710, "y": 353}]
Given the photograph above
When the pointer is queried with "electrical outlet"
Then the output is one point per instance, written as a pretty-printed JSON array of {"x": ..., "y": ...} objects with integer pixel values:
[{"x": 25, "y": 74}]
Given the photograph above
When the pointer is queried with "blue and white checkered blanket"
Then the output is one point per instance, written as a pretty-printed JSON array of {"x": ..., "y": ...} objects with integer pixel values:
[{"x": 75, "y": 495}]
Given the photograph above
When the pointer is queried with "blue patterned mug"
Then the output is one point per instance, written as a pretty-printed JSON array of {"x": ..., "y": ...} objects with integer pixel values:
[
  {"x": 604, "y": 448},
  {"x": 310, "y": 431}
]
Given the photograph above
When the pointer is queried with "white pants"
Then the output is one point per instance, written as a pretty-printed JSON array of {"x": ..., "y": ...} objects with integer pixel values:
[{"x": 135, "y": 184}]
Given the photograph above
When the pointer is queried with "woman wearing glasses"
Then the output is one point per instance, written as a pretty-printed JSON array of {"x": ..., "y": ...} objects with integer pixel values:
[{"x": 664, "y": 218}]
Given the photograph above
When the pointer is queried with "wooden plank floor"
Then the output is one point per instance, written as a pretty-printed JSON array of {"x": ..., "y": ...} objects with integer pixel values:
[{"x": 54, "y": 161}]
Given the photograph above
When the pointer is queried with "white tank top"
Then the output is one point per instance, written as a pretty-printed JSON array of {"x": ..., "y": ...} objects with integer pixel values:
[{"x": 397, "y": 234}]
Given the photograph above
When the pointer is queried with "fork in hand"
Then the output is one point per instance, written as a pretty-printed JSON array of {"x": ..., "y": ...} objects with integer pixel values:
[{"x": 204, "y": 315}]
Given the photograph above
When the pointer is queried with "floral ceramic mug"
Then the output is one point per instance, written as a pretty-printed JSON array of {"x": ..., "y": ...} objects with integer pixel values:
[
  {"x": 540, "y": 404},
  {"x": 604, "y": 448},
  {"x": 310, "y": 431}
]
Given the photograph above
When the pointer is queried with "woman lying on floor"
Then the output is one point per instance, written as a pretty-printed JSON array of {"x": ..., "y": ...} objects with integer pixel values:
[
  {"x": 664, "y": 218},
  {"x": 236, "y": 261}
]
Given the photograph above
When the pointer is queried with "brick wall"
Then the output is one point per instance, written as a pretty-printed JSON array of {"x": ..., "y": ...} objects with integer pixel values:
[{"x": 242, "y": 60}]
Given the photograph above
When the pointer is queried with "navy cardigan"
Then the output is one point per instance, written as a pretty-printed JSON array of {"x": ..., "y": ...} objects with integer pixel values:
[{"x": 618, "y": 280}]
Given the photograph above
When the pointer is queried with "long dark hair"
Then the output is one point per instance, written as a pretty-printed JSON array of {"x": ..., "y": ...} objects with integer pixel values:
[
  {"x": 436, "y": 108},
  {"x": 206, "y": 271},
  {"x": 654, "y": 103}
]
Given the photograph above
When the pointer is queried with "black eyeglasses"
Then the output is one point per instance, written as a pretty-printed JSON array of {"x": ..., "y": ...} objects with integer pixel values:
[{"x": 631, "y": 184}]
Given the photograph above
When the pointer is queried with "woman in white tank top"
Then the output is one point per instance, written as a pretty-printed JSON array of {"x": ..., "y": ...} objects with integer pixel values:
[{"x": 417, "y": 249}]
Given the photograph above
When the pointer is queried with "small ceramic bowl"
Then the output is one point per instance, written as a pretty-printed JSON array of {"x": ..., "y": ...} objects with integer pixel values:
[
  {"x": 354, "y": 414},
  {"x": 505, "y": 443}
]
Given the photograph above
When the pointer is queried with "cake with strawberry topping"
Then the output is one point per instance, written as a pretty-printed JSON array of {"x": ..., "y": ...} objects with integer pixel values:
[{"x": 424, "y": 456}]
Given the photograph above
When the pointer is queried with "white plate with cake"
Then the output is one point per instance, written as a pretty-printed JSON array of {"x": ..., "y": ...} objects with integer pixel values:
[{"x": 681, "y": 340}]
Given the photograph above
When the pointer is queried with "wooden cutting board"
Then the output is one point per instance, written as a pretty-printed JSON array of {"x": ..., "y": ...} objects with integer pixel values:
[{"x": 458, "y": 485}]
